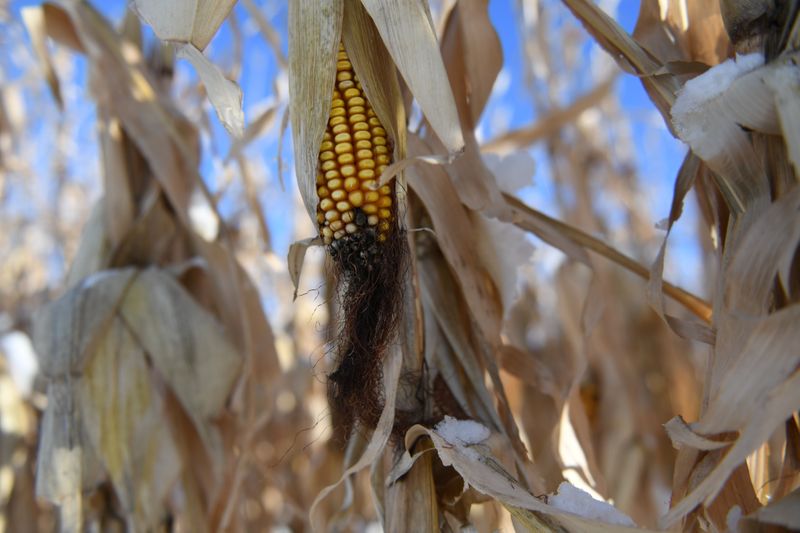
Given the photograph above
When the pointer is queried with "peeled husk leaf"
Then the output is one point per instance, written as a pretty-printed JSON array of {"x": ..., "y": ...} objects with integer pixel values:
[
  {"x": 405, "y": 29},
  {"x": 311, "y": 78}
]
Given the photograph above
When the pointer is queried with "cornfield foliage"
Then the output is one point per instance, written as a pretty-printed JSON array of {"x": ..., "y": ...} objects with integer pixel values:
[{"x": 166, "y": 368}]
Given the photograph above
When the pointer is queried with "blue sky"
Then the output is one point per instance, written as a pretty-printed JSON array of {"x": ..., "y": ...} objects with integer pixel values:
[{"x": 658, "y": 154}]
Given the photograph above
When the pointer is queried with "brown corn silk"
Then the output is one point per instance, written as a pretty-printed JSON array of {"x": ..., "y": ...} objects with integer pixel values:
[{"x": 358, "y": 222}]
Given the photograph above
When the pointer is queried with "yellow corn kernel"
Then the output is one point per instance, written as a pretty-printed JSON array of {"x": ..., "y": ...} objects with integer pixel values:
[
  {"x": 350, "y": 184},
  {"x": 356, "y": 198}
]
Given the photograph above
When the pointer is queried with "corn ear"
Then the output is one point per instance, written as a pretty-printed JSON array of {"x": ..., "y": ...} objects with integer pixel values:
[{"x": 355, "y": 150}]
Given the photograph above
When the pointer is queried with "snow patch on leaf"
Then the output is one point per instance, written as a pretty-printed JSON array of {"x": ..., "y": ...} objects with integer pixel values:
[
  {"x": 573, "y": 500},
  {"x": 462, "y": 432}
]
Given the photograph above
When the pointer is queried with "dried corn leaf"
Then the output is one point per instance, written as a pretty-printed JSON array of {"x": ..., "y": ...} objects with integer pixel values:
[
  {"x": 185, "y": 21},
  {"x": 655, "y": 285},
  {"x": 297, "y": 255},
  {"x": 123, "y": 414},
  {"x": 411, "y": 501},
  {"x": 682, "y": 31},
  {"x": 455, "y": 354},
  {"x": 471, "y": 74},
  {"x": 775, "y": 407},
  {"x": 482, "y": 54},
  {"x": 375, "y": 69},
  {"x": 379, "y": 438},
  {"x": 682, "y": 435},
  {"x": 451, "y": 225},
  {"x": 784, "y": 512},
  {"x": 60, "y": 28},
  {"x": 149, "y": 124},
  {"x": 626, "y": 51},
  {"x": 67, "y": 464},
  {"x": 408, "y": 35},
  {"x": 314, "y": 36},
  {"x": 118, "y": 200},
  {"x": 35, "y": 22},
  {"x": 65, "y": 331},
  {"x": 193, "y": 23},
  {"x": 761, "y": 364},
  {"x": 185, "y": 342},
  {"x": 502, "y": 249},
  {"x": 480, "y": 469},
  {"x": 709, "y": 114},
  {"x": 785, "y": 84},
  {"x": 225, "y": 95},
  {"x": 92, "y": 250}
]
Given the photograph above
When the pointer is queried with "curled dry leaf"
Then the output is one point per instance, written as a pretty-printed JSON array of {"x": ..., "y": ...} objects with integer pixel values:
[
  {"x": 193, "y": 23},
  {"x": 225, "y": 95},
  {"x": 709, "y": 114},
  {"x": 460, "y": 444},
  {"x": 297, "y": 255}
]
